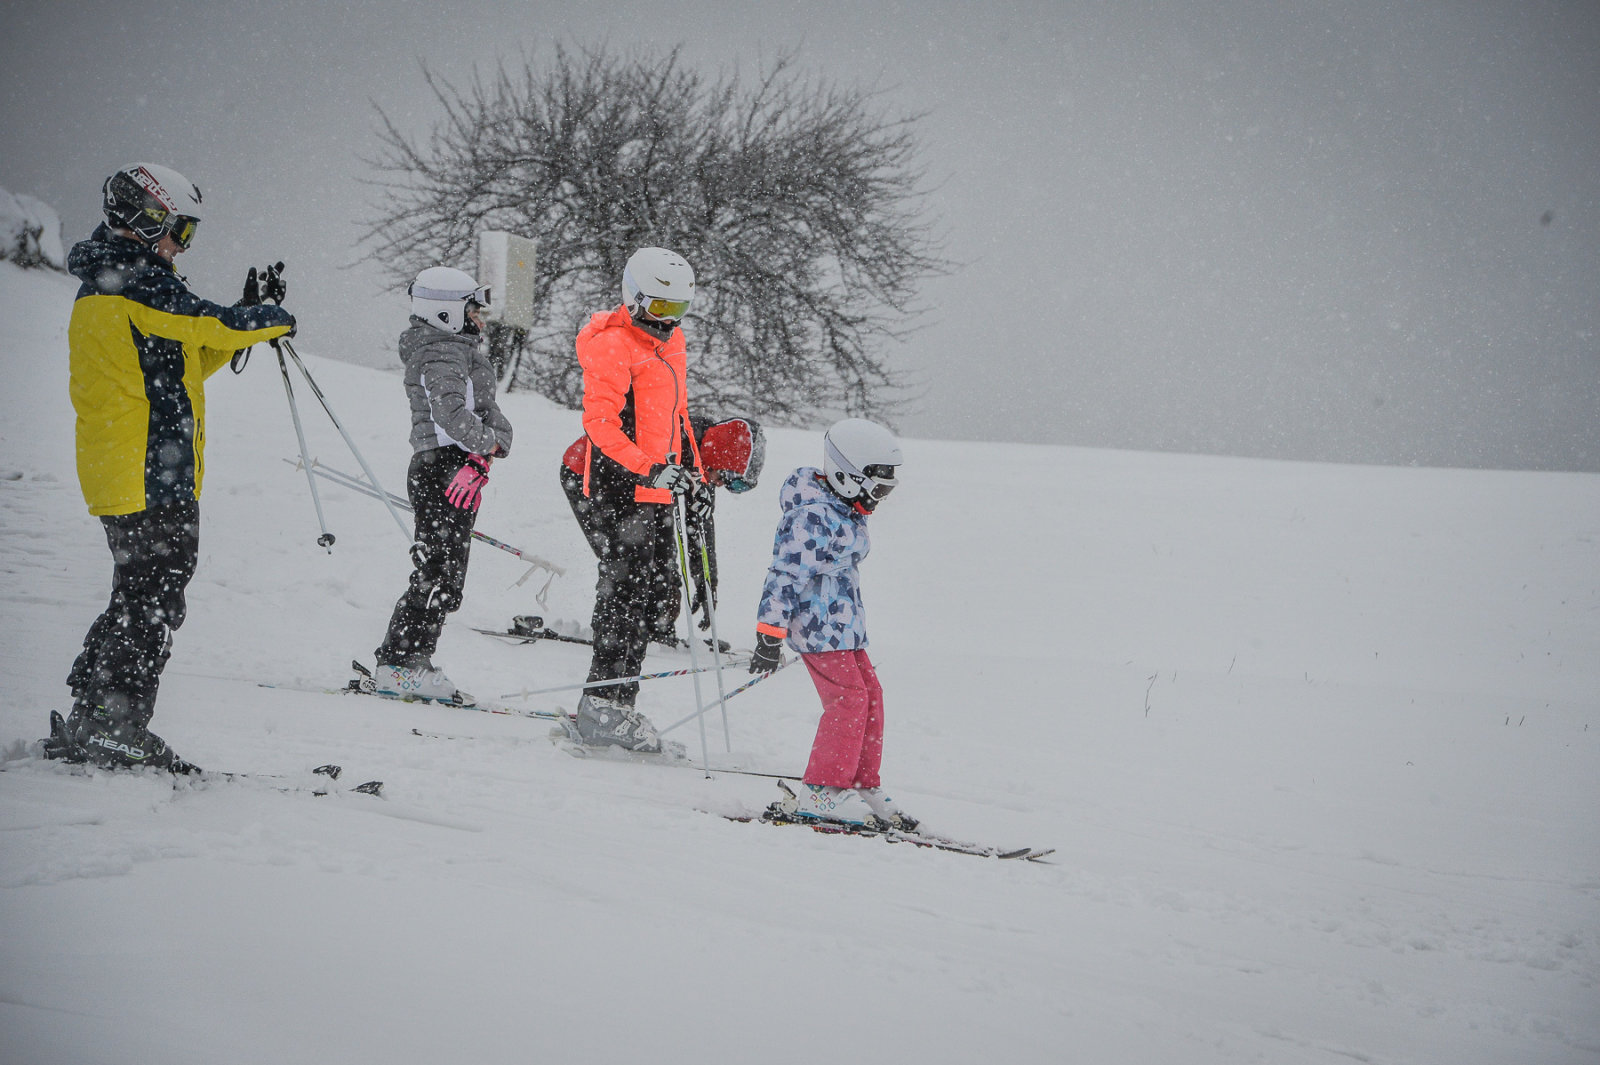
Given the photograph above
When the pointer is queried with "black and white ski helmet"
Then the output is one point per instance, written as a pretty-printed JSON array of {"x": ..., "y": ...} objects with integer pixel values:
[
  {"x": 860, "y": 460},
  {"x": 152, "y": 201}
]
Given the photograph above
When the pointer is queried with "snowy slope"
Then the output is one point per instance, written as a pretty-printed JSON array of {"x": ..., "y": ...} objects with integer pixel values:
[{"x": 1313, "y": 742}]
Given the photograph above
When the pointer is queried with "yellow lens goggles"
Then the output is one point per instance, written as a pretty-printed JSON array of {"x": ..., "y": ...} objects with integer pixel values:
[
  {"x": 666, "y": 310},
  {"x": 182, "y": 230}
]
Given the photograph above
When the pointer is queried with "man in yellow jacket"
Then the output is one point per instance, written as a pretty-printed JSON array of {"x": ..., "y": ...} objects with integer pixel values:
[{"x": 141, "y": 347}]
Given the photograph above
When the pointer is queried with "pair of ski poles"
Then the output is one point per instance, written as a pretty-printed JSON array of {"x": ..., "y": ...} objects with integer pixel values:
[
  {"x": 680, "y": 533},
  {"x": 752, "y": 682},
  {"x": 372, "y": 486},
  {"x": 281, "y": 345},
  {"x": 535, "y": 563}
]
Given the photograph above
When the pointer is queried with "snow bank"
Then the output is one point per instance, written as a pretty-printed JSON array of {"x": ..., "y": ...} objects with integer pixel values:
[{"x": 30, "y": 232}]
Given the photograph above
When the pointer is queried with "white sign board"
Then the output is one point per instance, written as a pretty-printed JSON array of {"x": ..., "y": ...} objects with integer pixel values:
[{"x": 505, "y": 264}]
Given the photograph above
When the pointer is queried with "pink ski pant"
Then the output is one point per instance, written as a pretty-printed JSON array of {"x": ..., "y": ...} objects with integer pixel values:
[{"x": 849, "y": 743}]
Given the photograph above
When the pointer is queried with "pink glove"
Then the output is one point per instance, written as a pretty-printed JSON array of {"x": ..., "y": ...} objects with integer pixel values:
[{"x": 466, "y": 487}]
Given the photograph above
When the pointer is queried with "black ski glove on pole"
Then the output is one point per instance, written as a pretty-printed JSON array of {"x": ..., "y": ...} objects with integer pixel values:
[
  {"x": 768, "y": 654},
  {"x": 669, "y": 475},
  {"x": 699, "y": 502}
]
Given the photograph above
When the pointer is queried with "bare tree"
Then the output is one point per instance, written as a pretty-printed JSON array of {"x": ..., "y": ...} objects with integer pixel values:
[{"x": 797, "y": 202}]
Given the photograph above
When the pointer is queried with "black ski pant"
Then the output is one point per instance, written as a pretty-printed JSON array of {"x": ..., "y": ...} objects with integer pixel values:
[
  {"x": 635, "y": 585},
  {"x": 119, "y": 669},
  {"x": 439, "y": 557},
  {"x": 599, "y": 520}
]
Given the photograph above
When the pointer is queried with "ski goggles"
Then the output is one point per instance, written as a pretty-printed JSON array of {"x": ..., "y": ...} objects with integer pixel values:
[
  {"x": 878, "y": 480},
  {"x": 479, "y": 295},
  {"x": 153, "y": 223},
  {"x": 666, "y": 310},
  {"x": 181, "y": 229}
]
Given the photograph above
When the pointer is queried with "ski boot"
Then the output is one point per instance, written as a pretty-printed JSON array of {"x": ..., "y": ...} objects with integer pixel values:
[
  {"x": 824, "y": 802},
  {"x": 887, "y": 810},
  {"x": 603, "y": 723}
]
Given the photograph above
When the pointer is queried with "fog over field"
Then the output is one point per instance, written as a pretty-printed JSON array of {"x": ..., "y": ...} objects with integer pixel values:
[{"x": 1360, "y": 232}]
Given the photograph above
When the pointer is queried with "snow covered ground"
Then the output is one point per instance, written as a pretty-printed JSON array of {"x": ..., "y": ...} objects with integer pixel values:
[{"x": 1318, "y": 747}]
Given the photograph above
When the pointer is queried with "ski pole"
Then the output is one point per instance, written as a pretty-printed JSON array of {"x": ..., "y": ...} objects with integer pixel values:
[
  {"x": 746, "y": 686},
  {"x": 525, "y": 693},
  {"x": 337, "y": 424},
  {"x": 711, "y": 613},
  {"x": 679, "y": 525},
  {"x": 346, "y": 481},
  {"x": 326, "y": 539}
]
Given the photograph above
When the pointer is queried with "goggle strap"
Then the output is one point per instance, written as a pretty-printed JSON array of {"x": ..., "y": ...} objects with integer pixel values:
[{"x": 479, "y": 295}]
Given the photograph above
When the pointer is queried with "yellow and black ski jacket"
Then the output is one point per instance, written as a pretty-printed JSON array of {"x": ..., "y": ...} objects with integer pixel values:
[{"x": 142, "y": 346}]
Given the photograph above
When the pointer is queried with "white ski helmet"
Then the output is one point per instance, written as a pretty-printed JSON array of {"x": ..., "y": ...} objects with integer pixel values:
[
  {"x": 152, "y": 201},
  {"x": 859, "y": 461},
  {"x": 442, "y": 295},
  {"x": 657, "y": 285}
]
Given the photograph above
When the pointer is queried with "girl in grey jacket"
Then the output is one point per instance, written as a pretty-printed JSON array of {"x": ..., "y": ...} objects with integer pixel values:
[{"x": 457, "y": 431}]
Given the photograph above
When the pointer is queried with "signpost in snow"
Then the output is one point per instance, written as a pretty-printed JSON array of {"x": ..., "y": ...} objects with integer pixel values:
[{"x": 506, "y": 264}]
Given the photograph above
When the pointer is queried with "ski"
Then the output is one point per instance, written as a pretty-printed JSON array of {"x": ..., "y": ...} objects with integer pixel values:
[
  {"x": 530, "y": 628},
  {"x": 775, "y": 816},
  {"x": 329, "y": 773},
  {"x": 183, "y": 774},
  {"x": 363, "y": 684},
  {"x": 559, "y": 738}
]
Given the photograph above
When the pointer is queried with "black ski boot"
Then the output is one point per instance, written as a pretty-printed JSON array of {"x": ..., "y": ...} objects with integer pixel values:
[
  {"x": 119, "y": 742},
  {"x": 60, "y": 744}
]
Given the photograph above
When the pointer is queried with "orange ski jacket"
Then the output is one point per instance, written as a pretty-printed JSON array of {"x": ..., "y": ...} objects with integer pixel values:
[{"x": 635, "y": 402}]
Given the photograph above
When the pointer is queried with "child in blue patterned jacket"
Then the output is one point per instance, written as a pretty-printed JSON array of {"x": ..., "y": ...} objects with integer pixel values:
[{"x": 812, "y": 599}]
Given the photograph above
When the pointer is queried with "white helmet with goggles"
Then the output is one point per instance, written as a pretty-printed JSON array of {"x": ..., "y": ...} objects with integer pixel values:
[
  {"x": 442, "y": 296},
  {"x": 657, "y": 286},
  {"x": 859, "y": 461},
  {"x": 152, "y": 201}
]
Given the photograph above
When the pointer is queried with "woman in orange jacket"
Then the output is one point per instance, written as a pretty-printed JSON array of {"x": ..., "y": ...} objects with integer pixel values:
[{"x": 641, "y": 455}]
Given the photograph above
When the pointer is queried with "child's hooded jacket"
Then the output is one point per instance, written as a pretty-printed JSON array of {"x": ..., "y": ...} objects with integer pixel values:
[{"x": 812, "y": 594}]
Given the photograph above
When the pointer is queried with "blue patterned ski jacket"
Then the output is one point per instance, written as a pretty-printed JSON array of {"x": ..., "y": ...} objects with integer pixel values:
[{"x": 812, "y": 593}]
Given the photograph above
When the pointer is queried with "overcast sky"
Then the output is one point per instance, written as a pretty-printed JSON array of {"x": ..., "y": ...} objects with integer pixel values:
[{"x": 1352, "y": 231}]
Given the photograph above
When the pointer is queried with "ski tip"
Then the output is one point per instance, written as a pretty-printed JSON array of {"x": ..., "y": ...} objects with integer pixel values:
[
  {"x": 371, "y": 787},
  {"x": 330, "y": 771}
]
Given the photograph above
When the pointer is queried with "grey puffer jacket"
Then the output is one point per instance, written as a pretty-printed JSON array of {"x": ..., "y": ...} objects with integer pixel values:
[{"x": 450, "y": 384}]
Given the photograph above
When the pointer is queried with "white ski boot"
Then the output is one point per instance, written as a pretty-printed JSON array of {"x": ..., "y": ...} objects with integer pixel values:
[
  {"x": 824, "y": 802},
  {"x": 420, "y": 682},
  {"x": 887, "y": 810}
]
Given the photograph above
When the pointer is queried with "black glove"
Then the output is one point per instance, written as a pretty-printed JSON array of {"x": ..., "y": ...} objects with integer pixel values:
[
  {"x": 273, "y": 286},
  {"x": 267, "y": 286},
  {"x": 252, "y": 291},
  {"x": 769, "y": 653},
  {"x": 700, "y": 503},
  {"x": 671, "y": 476}
]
